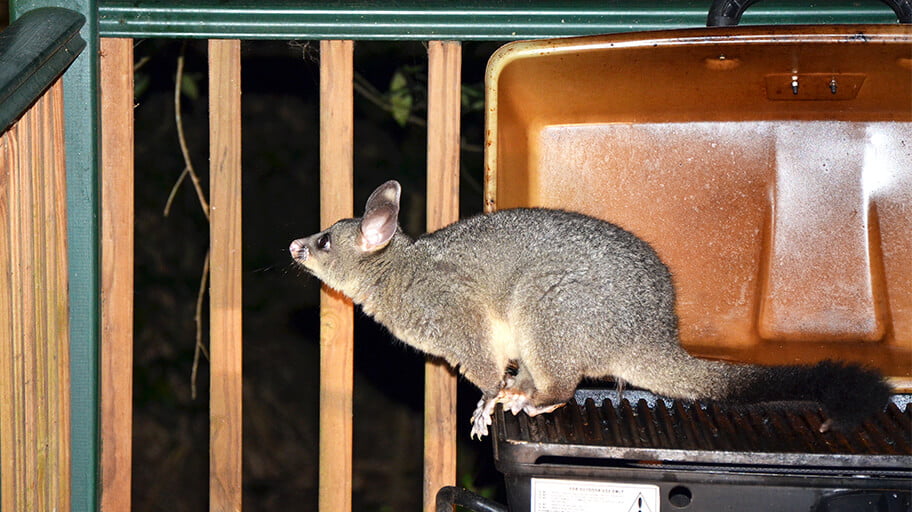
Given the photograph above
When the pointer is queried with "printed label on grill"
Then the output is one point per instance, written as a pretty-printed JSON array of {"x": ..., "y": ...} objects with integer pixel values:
[{"x": 553, "y": 495}]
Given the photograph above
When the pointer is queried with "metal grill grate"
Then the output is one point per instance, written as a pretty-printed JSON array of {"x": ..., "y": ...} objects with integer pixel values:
[{"x": 643, "y": 426}]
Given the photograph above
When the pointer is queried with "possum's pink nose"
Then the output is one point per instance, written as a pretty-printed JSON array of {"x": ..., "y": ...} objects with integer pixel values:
[{"x": 298, "y": 250}]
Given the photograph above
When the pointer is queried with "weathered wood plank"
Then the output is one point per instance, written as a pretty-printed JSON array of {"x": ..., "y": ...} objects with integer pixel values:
[
  {"x": 444, "y": 101},
  {"x": 336, "y": 316},
  {"x": 8, "y": 470},
  {"x": 21, "y": 304},
  {"x": 34, "y": 330},
  {"x": 58, "y": 309},
  {"x": 225, "y": 407},
  {"x": 117, "y": 179}
]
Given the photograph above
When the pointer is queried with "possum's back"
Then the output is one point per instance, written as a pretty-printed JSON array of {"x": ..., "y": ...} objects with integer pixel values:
[{"x": 543, "y": 250}]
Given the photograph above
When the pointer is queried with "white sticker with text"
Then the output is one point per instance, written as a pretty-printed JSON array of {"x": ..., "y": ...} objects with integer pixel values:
[{"x": 553, "y": 495}]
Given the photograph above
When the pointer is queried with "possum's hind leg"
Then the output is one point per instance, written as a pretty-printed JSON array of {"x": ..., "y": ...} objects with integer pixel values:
[
  {"x": 552, "y": 347},
  {"x": 514, "y": 392},
  {"x": 519, "y": 393},
  {"x": 533, "y": 391}
]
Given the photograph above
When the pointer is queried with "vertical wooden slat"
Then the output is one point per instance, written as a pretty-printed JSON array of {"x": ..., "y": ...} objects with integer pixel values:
[
  {"x": 34, "y": 322},
  {"x": 54, "y": 220},
  {"x": 24, "y": 333},
  {"x": 59, "y": 310},
  {"x": 336, "y": 317},
  {"x": 23, "y": 339},
  {"x": 38, "y": 360},
  {"x": 444, "y": 100},
  {"x": 225, "y": 285},
  {"x": 116, "y": 365}
]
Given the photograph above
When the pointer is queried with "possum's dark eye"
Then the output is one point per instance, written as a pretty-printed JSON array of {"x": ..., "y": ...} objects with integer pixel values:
[{"x": 323, "y": 242}]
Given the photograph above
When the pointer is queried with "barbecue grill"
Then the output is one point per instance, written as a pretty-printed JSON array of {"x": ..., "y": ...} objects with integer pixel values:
[
  {"x": 661, "y": 454},
  {"x": 642, "y": 452},
  {"x": 771, "y": 169}
]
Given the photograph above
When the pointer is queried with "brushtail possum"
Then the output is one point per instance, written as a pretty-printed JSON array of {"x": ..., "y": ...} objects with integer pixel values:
[{"x": 526, "y": 302}]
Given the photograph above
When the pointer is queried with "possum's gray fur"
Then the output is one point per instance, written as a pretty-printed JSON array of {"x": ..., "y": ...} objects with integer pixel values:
[{"x": 527, "y": 302}]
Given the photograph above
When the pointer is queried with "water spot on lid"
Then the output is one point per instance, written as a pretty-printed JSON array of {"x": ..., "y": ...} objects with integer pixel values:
[{"x": 721, "y": 63}]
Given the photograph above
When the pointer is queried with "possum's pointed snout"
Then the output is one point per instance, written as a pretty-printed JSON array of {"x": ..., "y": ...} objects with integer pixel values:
[{"x": 298, "y": 250}]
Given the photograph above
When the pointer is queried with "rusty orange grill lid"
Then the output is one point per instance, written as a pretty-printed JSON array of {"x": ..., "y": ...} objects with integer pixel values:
[{"x": 771, "y": 168}]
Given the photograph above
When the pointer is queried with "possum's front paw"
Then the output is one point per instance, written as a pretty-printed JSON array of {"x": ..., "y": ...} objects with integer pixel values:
[
  {"x": 512, "y": 401},
  {"x": 481, "y": 418},
  {"x": 484, "y": 411}
]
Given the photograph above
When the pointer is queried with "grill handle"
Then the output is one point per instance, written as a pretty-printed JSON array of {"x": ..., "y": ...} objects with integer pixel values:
[
  {"x": 449, "y": 496},
  {"x": 727, "y": 13}
]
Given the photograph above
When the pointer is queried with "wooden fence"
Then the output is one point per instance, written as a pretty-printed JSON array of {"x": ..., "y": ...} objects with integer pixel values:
[
  {"x": 34, "y": 354},
  {"x": 226, "y": 317}
]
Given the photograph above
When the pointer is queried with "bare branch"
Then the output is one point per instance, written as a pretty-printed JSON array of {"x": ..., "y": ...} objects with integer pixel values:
[
  {"x": 198, "y": 319},
  {"x": 178, "y": 120}
]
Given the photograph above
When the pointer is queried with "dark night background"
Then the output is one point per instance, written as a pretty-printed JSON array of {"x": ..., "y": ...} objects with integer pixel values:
[{"x": 280, "y": 86}]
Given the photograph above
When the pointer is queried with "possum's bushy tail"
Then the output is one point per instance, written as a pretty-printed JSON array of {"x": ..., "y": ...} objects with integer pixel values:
[{"x": 849, "y": 393}]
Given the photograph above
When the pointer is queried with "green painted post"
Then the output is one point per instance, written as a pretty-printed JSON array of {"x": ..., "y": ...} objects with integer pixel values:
[{"x": 82, "y": 115}]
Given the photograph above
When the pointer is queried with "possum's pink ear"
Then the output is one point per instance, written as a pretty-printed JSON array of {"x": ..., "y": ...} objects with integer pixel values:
[{"x": 381, "y": 216}]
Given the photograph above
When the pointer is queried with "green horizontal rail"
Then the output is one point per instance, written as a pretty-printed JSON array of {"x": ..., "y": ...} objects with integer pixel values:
[
  {"x": 440, "y": 19},
  {"x": 35, "y": 51}
]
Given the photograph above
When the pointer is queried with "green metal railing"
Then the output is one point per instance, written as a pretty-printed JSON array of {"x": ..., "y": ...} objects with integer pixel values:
[
  {"x": 361, "y": 20},
  {"x": 441, "y": 19}
]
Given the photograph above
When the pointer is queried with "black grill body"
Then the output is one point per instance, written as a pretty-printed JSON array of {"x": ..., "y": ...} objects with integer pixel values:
[{"x": 699, "y": 456}]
